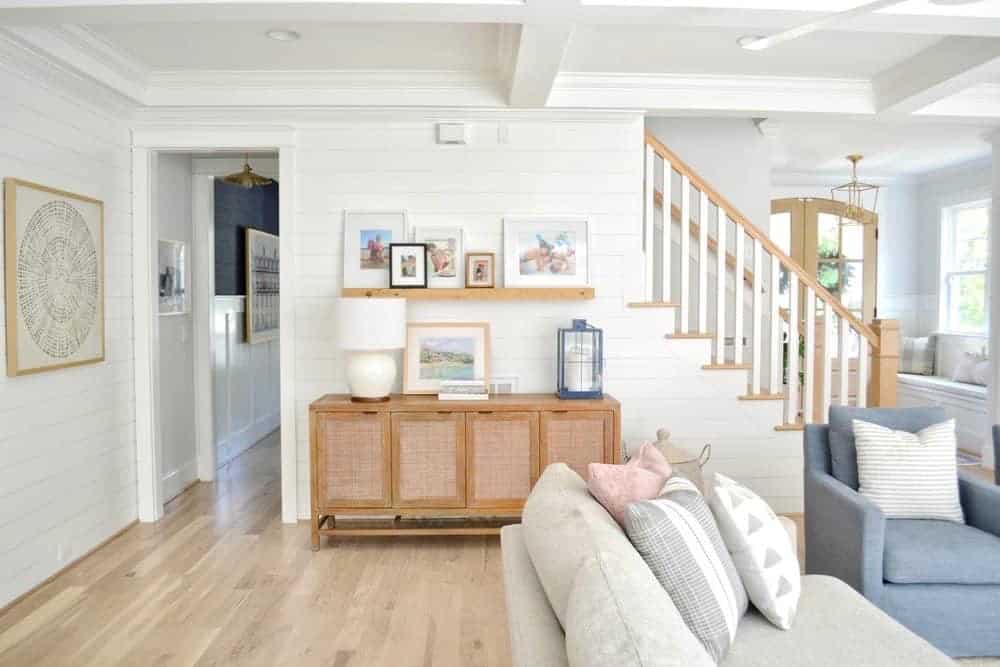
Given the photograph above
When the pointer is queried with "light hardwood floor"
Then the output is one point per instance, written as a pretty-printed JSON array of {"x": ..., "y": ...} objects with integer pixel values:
[{"x": 221, "y": 581}]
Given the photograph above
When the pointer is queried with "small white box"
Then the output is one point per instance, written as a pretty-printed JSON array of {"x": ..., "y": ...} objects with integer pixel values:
[{"x": 451, "y": 133}]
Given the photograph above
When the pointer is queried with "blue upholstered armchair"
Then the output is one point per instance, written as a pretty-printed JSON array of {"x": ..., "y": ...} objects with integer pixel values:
[{"x": 938, "y": 578}]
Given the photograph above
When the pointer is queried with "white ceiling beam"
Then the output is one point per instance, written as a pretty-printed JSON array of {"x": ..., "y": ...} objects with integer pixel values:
[
  {"x": 947, "y": 68},
  {"x": 540, "y": 52}
]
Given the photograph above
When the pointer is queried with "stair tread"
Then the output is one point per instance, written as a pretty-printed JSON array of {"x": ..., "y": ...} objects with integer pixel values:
[
  {"x": 652, "y": 304},
  {"x": 797, "y": 426},
  {"x": 762, "y": 397},
  {"x": 698, "y": 336},
  {"x": 727, "y": 367}
]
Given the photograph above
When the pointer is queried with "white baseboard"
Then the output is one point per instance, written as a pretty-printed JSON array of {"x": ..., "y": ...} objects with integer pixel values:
[
  {"x": 179, "y": 479},
  {"x": 239, "y": 442}
]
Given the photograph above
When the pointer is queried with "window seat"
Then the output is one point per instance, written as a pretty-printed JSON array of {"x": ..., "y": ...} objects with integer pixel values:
[{"x": 965, "y": 402}]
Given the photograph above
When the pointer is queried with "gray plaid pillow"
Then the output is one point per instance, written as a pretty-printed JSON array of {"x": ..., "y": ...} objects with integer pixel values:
[
  {"x": 680, "y": 541},
  {"x": 916, "y": 355}
]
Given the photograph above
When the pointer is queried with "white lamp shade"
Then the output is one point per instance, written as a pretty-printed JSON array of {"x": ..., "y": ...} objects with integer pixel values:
[{"x": 371, "y": 324}]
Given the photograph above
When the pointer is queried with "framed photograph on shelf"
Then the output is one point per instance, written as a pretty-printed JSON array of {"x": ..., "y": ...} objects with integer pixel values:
[
  {"x": 444, "y": 254},
  {"x": 54, "y": 278},
  {"x": 263, "y": 307},
  {"x": 480, "y": 269},
  {"x": 439, "y": 351},
  {"x": 408, "y": 265},
  {"x": 546, "y": 252},
  {"x": 367, "y": 236},
  {"x": 172, "y": 278}
]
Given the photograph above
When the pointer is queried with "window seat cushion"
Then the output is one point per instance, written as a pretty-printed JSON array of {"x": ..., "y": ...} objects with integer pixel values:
[{"x": 943, "y": 384}]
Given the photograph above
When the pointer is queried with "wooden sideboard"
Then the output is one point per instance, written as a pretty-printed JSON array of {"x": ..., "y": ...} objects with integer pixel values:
[{"x": 417, "y": 465}]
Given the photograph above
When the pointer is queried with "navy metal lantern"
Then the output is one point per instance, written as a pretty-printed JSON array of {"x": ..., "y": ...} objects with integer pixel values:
[{"x": 581, "y": 361}]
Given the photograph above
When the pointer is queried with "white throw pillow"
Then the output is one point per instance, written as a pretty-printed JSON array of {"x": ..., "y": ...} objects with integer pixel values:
[
  {"x": 973, "y": 369},
  {"x": 910, "y": 475},
  {"x": 757, "y": 541}
]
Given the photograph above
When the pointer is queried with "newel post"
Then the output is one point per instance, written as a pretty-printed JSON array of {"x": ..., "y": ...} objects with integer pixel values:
[{"x": 885, "y": 364}]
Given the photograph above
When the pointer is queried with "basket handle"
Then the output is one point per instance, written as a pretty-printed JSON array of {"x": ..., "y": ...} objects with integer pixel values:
[{"x": 705, "y": 456}]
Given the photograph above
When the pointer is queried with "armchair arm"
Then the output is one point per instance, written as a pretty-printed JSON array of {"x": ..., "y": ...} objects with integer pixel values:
[
  {"x": 980, "y": 502},
  {"x": 845, "y": 534}
]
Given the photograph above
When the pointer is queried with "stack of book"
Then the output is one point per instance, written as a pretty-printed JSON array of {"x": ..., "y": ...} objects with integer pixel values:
[{"x": 463, "y": 390}]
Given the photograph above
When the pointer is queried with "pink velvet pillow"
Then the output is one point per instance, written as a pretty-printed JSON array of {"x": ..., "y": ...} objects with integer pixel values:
[{"x": 642, "y": 478}]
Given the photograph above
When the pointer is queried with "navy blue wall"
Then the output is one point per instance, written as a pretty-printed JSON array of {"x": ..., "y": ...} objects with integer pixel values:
[{"x": 236, "y": 209}]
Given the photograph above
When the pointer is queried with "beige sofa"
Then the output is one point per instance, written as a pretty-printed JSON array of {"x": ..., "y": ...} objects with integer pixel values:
[{"x": 568, "y": 565}]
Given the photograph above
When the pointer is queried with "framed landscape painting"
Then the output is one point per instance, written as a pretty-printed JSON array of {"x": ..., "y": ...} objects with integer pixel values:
[
  {"x": 546, "y": 252},
  {"x": 367, "y": 235},
  {"x": 439, "y": 351},
  {"x": 54, "y": 278}
]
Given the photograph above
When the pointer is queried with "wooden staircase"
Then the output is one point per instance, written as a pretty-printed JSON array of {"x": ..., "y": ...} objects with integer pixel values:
[{"x": 799, "y": 337}]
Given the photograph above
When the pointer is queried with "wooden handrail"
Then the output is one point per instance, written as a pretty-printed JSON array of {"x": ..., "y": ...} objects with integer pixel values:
[{"x": 737, "y": 217}]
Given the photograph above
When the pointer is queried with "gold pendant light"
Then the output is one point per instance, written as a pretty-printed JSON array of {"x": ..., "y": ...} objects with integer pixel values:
[
  {"x": 858, "y": 197},
  {"x": 246, "y": 178}
]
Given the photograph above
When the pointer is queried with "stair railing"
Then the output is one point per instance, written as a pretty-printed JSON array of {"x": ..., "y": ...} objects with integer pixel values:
[{"x": 810, "y": 365}]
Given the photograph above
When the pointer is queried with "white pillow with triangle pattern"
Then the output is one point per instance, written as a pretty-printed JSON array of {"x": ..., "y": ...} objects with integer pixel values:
[{"x": 764, "y": 557}]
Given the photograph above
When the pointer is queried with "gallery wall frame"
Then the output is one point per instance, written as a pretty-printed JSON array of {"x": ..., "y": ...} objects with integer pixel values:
[
  {"x": 367, "y": 235},
  {"x": 444, "y": 254},
  {"x": 263, "y": 300},
  {"x": 546, "y": 251},
  {"x": 36, "y": 217}
]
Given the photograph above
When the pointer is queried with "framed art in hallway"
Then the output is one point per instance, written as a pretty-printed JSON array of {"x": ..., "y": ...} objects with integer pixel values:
[
  {"x": 408, "y": 265},
  {"x": 263, "y": 306},
  {"x": 438, "y": 351},
  {"x": 546, "y": 252},
  {"x": 444, "y": 254},
  {"x": 172, "y": 278},
  {"x": 54, "y": 278},
  {"x": 480, "y": 269},
  {"x": 367, "y": 236}
]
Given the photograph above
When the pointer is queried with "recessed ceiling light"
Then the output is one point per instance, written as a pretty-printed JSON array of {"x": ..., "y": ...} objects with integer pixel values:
[
  {"x": 752, "y": 42},
  {"x": 283, "y": 35}
]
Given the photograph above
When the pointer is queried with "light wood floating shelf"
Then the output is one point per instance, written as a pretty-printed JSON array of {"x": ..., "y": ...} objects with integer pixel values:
[{"x": 477, "y": 293}]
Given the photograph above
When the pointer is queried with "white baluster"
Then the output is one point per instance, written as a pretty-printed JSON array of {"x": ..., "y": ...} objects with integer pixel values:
[
  {"x": 739, "y": 289},
  {"x": 774, "y": 301},
  {"x": 756, "y": 315},
  {"x": 827, "y": 380},
  {"x": 666, "y": 187},
  {"x": 808, "y": 385},
  {"x": 792, "y": 400},
  {"x": 685, "y": 325},
  {"x": 647, "y": 240},
  {"x": 862, "y": 399},
  {"x": 720, "y": 286},
  {"x": 703, "y": 265},
  {"x": 845, "y": 362}
]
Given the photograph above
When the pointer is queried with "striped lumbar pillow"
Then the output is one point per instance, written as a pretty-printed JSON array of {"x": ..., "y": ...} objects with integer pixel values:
[
  {"x": 909, "y": 475},
  {"x": 680, "y": 542}
]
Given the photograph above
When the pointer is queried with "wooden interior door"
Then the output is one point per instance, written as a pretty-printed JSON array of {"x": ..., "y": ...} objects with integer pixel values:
[
  {"x": 352, "y": 452},
  {"x": 502, "y": 458},
  {"x": 576, "y": 439},
  {"x": 428, "y": 459}
]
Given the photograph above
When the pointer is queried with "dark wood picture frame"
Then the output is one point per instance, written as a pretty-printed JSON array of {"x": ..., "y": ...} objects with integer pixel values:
[{"x": 422, "y": 265}]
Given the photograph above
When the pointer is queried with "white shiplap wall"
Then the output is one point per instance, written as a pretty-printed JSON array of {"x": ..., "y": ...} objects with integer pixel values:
[
  {"x": 67, "y": 453},
  {"x": 581, "y": 165}
]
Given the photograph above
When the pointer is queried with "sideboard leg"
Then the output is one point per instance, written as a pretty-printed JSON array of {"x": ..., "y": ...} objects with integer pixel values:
[{"x": 315, "y": 532}]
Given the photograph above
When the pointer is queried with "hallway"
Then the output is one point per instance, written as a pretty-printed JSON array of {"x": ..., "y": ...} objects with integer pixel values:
[{"x": 221, "y": 581}]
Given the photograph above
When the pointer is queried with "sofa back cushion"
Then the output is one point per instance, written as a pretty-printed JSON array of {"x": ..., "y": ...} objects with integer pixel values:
[
  {"x": 620, "y": 615},
  {"x": 563, "y": 527},
  {"x": 843, "y": 450}
]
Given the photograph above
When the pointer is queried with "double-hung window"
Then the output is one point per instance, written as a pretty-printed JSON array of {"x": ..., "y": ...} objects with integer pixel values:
[{"x": 965, "y": 247}]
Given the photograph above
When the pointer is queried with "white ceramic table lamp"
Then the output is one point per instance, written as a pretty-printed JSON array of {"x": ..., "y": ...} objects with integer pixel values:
[{"x": 369, "y": 330}]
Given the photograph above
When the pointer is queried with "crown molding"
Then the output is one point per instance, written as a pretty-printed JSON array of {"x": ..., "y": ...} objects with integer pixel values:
[
  {"x": 685, "y": 92},
  {"x": 342, "y": 88}
]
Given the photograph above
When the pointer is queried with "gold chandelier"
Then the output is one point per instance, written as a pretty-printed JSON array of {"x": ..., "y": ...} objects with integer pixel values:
[
  {"x": 246, "y": 178},
  {"x": 858, "y": 197}
]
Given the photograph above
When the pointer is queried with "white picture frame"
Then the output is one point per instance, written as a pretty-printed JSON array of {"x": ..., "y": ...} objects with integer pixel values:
[
  {"x": 546, "y": 251},
  {"x": 433, "y": 237},
  {"x": 365, "y": 231},
  {"x": 173, "y": 278}
]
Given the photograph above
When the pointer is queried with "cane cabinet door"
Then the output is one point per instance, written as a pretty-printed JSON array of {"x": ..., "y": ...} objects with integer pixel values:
[
  {"x": 576, "y": 439},
  {"x": 502, "y": 458},
  {"x": 352, "y": 455},
  {"x": 428, "y": 459}
]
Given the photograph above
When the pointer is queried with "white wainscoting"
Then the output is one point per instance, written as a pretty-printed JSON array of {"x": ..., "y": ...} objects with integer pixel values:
[{"x": 246, "y": 383}]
